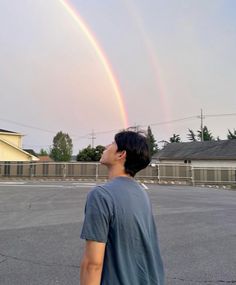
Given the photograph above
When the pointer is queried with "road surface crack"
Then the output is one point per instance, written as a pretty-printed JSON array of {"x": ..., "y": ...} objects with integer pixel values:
[
  {"x": 5, "y": 259},
  {"x": 205, "y": 281},
  {"x": 42, "y": 263}
]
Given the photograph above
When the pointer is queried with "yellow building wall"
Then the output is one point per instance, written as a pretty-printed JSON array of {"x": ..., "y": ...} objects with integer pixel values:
[
  {"x": 8, "y": 153},
  {"x": 14, "y": 139}
]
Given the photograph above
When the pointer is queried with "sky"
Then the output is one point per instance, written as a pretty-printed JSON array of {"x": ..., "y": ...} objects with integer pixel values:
[{"x": 169, "y": 59}]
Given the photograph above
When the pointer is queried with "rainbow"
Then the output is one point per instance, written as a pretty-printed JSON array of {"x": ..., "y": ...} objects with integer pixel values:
[
  {"x": 152, "y": 57},
  {"x": 102, "y": 57}
]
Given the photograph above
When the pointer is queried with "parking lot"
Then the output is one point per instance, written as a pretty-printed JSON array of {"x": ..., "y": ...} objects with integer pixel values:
[{"x": 40, "y": 225}]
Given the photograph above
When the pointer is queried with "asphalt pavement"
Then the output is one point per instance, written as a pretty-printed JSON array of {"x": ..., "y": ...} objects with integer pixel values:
[{"x": 40, "y": 225}]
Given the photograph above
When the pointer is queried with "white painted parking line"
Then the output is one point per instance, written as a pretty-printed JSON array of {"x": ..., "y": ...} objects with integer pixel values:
[
  {"x": 84, "y": 184},
  {"x": 38, "y": 185},
  {"x": 11, "y": 182},
  {"x": 144, "y": 186},
  {"x": 33, "y": 185}
]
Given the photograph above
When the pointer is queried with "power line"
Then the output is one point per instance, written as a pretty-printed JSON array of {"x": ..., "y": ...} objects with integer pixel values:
[
  {"x": 27, "y": 126},
  {"x": 172, "y": 121},
  {"x": 88, "y": 135},
  {"x": 221, "y": 115},
  {"x": 35, "y": 145},
  {"x": 30, "y": 126}
]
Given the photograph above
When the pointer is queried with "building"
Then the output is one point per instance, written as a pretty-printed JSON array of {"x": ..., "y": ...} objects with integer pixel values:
[
  {"x": 211, "y": 162},
  {"x": 45, "y": 158},
  {"x": 11, "y": 147},
  {"x": 200, "y": 154}
]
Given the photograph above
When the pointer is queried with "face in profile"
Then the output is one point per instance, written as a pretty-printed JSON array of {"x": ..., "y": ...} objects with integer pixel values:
[{"x": 109, "y": 154}]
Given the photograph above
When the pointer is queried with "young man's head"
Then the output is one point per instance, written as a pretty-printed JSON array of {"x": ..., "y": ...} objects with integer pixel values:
[{"x": 130, "y": 149}]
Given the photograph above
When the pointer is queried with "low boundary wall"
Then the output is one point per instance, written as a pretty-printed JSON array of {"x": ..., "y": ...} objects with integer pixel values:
[{"x": 159, "y": 173}]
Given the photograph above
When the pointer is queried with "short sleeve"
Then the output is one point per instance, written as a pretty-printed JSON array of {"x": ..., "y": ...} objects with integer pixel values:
[{"x": 98, "y": 214}]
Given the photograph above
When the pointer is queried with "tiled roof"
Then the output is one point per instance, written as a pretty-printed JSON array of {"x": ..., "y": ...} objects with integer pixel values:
[
  {"x": 45, "y": 158},
  {"x": 207, "y": 150}
]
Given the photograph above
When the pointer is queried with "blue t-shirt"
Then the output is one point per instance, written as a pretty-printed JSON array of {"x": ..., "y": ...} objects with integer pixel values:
[{"x": 119, "y": 214}]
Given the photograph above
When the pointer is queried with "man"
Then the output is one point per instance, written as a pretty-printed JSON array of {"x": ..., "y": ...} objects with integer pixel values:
[{"x": 119, "y": 229}]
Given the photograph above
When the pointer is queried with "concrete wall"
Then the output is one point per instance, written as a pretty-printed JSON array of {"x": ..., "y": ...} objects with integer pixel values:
[
  {"x": 63, "y": 170},
  {"x": 164, "y": 173}
]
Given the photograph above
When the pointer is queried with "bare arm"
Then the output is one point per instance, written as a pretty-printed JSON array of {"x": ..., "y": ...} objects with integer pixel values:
[{"x": 92, "y": 263}]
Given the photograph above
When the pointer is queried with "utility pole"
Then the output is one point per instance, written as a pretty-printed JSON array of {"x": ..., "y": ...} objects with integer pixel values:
[
  {"x": 93, "y": 138},
  {"x": 135, "y": 127},
  {"x": 201, "y": 117}
]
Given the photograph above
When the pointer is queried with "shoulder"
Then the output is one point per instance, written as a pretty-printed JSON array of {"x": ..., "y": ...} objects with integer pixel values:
[
  {"x": 98, "y": 190},
  {"x": 99, "y": 193}
]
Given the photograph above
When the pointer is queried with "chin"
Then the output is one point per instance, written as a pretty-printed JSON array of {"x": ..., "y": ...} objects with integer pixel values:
[
  {"x": 103, "y": 162},
  {"x": 102, "y": 159}
]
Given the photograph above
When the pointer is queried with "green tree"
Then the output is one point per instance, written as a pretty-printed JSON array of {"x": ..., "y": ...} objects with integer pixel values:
[
  {"x": 207, "y": 135},
  {"x": 191, "y": 135},
  {"x": 175, "y": 139},
  {"x": 231, "y": 135},
  {"x": 62, "y": 147},
  {"x": 98, "y": 152},
  {"x": 153, "y": 147},
  {"x": 43, "y": 152},
  {"x": 90, "y": 154}
]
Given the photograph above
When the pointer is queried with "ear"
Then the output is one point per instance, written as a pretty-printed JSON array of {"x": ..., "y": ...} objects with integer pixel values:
[{"x": 122, "y": 155}]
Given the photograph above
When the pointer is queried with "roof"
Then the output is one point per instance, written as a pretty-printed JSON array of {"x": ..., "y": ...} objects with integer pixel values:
[
  {"x": 31, "y": 151},
  {"x": 6, "y": 131},
  {"x": 73, "y": 158},
  {"x": 45, "y": 158},
  {"x": 207, "y": 150}
]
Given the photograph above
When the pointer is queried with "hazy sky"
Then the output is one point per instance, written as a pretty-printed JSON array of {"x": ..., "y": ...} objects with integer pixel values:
[{"x": 171, "y": 58}]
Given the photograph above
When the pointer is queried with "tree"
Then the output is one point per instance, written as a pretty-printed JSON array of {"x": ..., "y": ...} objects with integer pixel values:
[
  {"x": 43, "y": 152},
  {"x": 207, "y": 135},
  {"x": 98, "y": 152},
  {"x": 90, "y": 154},
  {"x": 175, "y": 138},
  {"x": 62, "y": 147},
  {"x": 231, "y": 135},
  {"x": 153, "y": 147},
  {"x": 191, "y": 136}
]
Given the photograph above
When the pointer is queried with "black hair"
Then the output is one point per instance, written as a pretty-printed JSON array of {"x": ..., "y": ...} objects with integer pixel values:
[{"x": 137, "y": 150}]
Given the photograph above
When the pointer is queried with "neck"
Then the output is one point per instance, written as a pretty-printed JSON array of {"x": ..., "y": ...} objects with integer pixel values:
[{"x": 116, "y": 172}]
